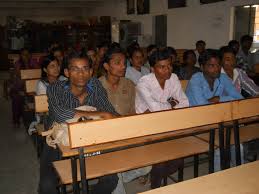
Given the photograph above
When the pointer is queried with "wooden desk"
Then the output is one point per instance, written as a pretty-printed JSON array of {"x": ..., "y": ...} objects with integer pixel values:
[
  {"x": 239, "y": 180},
  {"x": 124, "y": 160}
]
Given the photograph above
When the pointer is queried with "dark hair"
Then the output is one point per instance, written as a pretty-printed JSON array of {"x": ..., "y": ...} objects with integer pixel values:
[
  {"x": 55, "y": 49},
  {"x": 200, "y": 42},
  {"x": 226, "y": 49},
  {"x": 79, "y": 56},
  {"x": 158, "y": 55},
  {"x": 171, "y": 51},
  {"x": 246, "y": 38},
  {"x": 207, "y": 55},
  {"x": 187, "y": 53},
  {"x": 115, "y": 45},
  {"x": 132, "y": 46},
  {"x": 103, "y": 44},
  {"x": 110, "y": 52},
  {"x": 232, "y": 42},
  {"x": 151, "y": 47},
  {"x": 45, "y": 63},
  {"x": 134, "y": 51}
]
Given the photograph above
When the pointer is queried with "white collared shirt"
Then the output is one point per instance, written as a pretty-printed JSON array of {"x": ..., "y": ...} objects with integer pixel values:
[
  {"x": 150, "y": 96},
  {"x": 134, "y": 75}
]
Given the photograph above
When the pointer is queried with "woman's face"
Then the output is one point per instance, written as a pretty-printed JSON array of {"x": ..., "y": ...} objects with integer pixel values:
[
  {"x": 53, "y": 69},
  {"x": 191, "y": 59}
]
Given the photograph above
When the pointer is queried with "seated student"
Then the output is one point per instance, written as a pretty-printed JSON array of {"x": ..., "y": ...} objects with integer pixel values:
[
  {"x": 157, "y": 91},
  {"x": 188, "y": 68},
  {"x": 58, "y": 53},
  {"x": 137, "y": 69},
  {"x": 239, "y": 77},
  {"x": 200, "y": 48},
  {"x": 50, "y": 74},
  {"x": 120, "y": 90},
  {"x": 64, "y": 97},
  {"x": 234, "y": 45},
  {"x": 175, "y": 64},
  {"x": 210, "y": 86}
]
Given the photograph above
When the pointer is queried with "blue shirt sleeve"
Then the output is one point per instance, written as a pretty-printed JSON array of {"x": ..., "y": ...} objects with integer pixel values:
[{"x": 230, "y": 92}]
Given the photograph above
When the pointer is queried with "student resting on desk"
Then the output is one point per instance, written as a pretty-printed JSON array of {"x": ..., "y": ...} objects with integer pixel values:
[
  {"x": 157, "y": 91},
  {"x": 64, "y": 97},
  {"x": 211, "y": 86}
]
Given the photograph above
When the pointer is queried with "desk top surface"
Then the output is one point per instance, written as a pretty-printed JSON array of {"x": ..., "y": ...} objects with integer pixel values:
[{"x": 239, "y": 180}]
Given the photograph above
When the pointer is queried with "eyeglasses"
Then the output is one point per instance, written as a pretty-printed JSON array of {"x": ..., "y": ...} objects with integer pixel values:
[{"x": 84, "y": 69}]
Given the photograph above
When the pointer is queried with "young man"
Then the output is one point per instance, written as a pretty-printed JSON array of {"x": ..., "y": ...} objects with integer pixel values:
[
  {"x": 244, "y": 54},
  {"x": 157, "y": 91},
  {"x": 120, "y": 90},
  {"x": 210, "y": 86},
  {"x": 64, "y": 97},
  {"x": 136, "y": 69},
  {"x": 200, "y": 48}
]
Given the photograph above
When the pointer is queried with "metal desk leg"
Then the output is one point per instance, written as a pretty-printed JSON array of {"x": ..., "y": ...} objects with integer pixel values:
[
  {"x": 74, "y": 175},
  {"x": 221, "y": 146},
  {"x": 83, "y": 171},
  {"x": 196, "y": 165},
  {"x": 237, "y": 142},
  {"x": 227, "y": 151},
  {"x": 211, "y": 150}
]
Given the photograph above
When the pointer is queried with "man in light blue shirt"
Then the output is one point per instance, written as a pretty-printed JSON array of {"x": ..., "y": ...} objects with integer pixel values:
[{"x": 210, "y": 85}]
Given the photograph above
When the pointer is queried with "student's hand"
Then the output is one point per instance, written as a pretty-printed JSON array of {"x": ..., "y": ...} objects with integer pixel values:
[
  {"x": 214, "y": 99},
  {"x": 106, "y": 115},
  {"x": 173, "y": 102}
]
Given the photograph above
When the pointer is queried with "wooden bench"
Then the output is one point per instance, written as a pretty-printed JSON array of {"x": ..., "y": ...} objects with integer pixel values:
[
  {"x": 238, "y": 180},
  {"x": 99, "y": 132}
]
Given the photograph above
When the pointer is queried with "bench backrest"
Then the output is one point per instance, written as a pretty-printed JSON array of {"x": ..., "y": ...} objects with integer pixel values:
[
  {"x": 97, "y": 132},
  {"x": 30, "y": 74},
  {"x": 41, "y": 104},
  {"x": 30, "y": 85}
]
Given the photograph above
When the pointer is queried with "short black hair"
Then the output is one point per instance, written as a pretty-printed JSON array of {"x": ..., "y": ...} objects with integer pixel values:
[
  {"x": 55, "y": 49},
  {"x": 207, "y": 55},
  {"x": 110, "y": 52},
  {"x": 151, "y": 47},
  {"x": 171, "y": 51},
  {"x": 232, "y": 42},
  {"x": 226, "y": 49},
  {"x": 200, "y": 42},
  {"x": 187, "y": 53},
  {"x": 158, "y": 55},
  {"x": 103, "y": 44},
  {"x": 134, "y": 51},
  {"x": 79, "y": 56},
  {"x": 45, "y": 63},
  {"x": 246, "y": 38}
]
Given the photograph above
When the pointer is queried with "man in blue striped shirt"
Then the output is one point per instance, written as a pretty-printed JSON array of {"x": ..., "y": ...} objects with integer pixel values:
[{"x": 64, "y": 97}]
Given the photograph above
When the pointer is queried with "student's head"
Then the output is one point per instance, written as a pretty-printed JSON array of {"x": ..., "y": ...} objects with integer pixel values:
[
  {"x": 137, "y": 58},
  {"x": 132, "y": 46},
  {"x": 50, "y": 67},
  {"x": 189, "y": 58},
  {"x": 246, "y": 42},
  {"x": 102, "y": 49},
  {"x": 161, "y": 64},
  {"x": 172, "y": 53},
  {"x": 200, "y": 46},
  {"x": 91, "y": 53},
  {"x": 115, "y": 62},
  {"x": 228, "y": 59},
  {"x": 234, "y": 45},
  {"x": 57, "y": 52},
  {"x": 79, "y": 70},
  {"x": 210, "y": 64},
  {"x": 25, "y": 55},
  {"x": 150, "y": 49}
]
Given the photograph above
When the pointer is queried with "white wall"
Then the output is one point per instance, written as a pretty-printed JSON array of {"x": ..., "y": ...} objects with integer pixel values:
[{"x": 211, "y": 22}]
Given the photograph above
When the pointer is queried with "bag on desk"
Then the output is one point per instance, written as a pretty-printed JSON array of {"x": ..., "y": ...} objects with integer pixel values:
[{"x": 58, "y": 133}]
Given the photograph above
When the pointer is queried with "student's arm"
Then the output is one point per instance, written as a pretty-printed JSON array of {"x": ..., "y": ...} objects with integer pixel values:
[
  {"x": 56, "y": 108},
  {"x": 195, "y": 92},
  {"x": 179, "y": 95},
  {"x": 248, "y": 84},
  {"x": 229, "y": 90},
  {"x": 144, "y": 93}
]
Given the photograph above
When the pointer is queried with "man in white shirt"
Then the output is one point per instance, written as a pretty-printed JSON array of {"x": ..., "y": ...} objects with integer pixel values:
[{"x": 160, "y": 90}]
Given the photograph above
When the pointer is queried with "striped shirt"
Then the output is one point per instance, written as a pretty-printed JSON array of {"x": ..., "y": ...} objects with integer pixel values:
[{"x": 62, "y": 102}]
